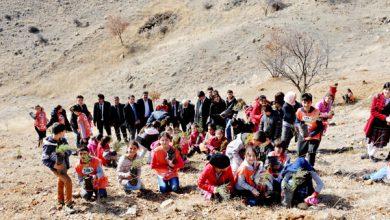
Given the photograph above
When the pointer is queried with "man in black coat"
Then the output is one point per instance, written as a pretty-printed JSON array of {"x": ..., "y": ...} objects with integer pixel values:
[
  {"x": 102, "y": 115},
  {"x": 231, "y": 101},
  {"x": 202, "y": 110},
  {"x": 73, "y": 118},
  {"x": 174, "y": 111},
  {"x": 145, "y": 108},
  {"x": 118, "y": 119},
  {"x": 131, "y": 117},
  {"x": 187, "y": 114}
]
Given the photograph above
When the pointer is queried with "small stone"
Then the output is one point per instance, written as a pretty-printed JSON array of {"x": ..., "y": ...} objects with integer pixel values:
[
  {"x": 8, "y": 17},
  {"x": 303, "y": 206},
  {"x": 132, "y": 211},
  {"x": 368, "y": 182},
  {"x": 338, "y": 172},
  {"x": 33, "y": 30},
  {"x": 166, "y": 203}
]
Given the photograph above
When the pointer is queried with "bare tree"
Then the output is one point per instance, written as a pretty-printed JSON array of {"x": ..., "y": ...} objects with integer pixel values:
[
  {"x": 296, "y": 57},
  {"x": 116, "y": 26}
]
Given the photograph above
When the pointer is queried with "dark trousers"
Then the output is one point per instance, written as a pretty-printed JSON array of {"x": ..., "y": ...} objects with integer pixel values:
[
  {"x": 41, "y": 134},
  {"x": 118, "y": 129},
  {"x": 105, "y": 125},
  {"x": 142, "y": 122},
  {"x": 132, "y": 130},
  {"x": 287, "y": 134},
  {"x": 184, "y": 125},
  {"x": 310, "y": 148}
]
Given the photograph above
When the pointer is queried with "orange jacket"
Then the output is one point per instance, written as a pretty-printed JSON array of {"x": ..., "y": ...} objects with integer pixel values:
[
  {"x": 101, "y": 182},
  {"x": 160, "y": 163},
  {"x": 310, "y": 119},
  {"x": 245, "y": 171}
]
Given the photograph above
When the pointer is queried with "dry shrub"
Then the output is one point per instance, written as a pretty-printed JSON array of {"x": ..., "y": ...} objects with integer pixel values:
[
  {"x": 155, "y": 95},
  {"x": 116, "y": 26},
  {"x": 296, "y": 57}
]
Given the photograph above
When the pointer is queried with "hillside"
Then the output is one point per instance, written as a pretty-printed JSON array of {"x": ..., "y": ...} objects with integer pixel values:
[{"x": 206, "y": 43}]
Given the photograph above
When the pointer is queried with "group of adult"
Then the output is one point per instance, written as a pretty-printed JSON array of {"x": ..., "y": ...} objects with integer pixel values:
[{"x": 246, "y": 157}]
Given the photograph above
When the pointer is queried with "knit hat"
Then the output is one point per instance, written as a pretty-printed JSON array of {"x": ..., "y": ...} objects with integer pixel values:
[
  {"x": 220, "y": 161},
  {"x": 386, "y": 85}
]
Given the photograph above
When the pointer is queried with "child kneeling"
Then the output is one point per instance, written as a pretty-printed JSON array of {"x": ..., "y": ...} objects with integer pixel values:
[
  {"x": 252, "y": 182},
  {"x": 91, "y": 177},
  {"x": 167, "y": 162},
  {"x": 129, "y": 168},
  {"x": 217, "y": 181}
]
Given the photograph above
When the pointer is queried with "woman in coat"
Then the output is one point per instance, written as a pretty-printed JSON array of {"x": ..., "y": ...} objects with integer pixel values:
[{"x": 377, "y": 128}]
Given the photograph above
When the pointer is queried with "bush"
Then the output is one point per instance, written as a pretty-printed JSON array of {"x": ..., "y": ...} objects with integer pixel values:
[
  {"x": 296, "y": 57},
  {"x": 116, "y": 26}
]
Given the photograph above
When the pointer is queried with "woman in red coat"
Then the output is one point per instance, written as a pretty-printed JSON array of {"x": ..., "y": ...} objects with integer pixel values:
[
  {"x": 216, "y": 174},
  {"x": 377, "y": 128}
]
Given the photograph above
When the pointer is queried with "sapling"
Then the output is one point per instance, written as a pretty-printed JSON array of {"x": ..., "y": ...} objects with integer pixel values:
[{"x": 223, "y": 192}]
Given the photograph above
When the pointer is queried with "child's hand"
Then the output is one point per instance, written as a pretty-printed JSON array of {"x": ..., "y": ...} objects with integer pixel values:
[
  {"x": 171, "y": 164},
  {"x": 255, "y": 192}
]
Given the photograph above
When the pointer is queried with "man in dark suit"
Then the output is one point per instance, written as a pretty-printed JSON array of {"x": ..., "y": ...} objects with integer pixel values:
[
  {"x": 73, "y": 118},
  {"x": 102, "y": 115},
  {"x": 145, "y": 108},
  {"x": 187, "y": 114},
  {"x": 174, "y": 112},
  {"x": 202, "y": 110},
  {"x": 131, "y": 116},
  {"x": 118, "y": 119}
]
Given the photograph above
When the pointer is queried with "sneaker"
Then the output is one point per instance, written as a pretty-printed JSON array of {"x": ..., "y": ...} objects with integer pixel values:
[
  {"x": 69, "y": 209},
  {"x": 60, "y": 205},
  {"x": 364, "y": 156},
  {"x": 366, "y": 176}
]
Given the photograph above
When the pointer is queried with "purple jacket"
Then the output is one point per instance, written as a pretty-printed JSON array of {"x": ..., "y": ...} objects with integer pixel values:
[{"x": 324, "y": 108}]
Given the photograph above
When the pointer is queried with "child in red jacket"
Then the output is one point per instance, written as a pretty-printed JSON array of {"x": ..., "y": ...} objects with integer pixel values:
[
  {"x": 167, "y": 162},
  {"x": 40, "y": 123},
  {"x": 217, "y": 181},
  {"x": 244, "y": 178},
  {"x": 107, "y": 156},
  {"x": 217, "y": 143},
  {"x": 91, "y": 176},
  {"x": 196, "y": 138}
]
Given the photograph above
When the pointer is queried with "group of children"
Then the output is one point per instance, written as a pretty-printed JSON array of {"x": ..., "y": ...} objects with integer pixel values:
[{"x": 246, "y": 158}]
